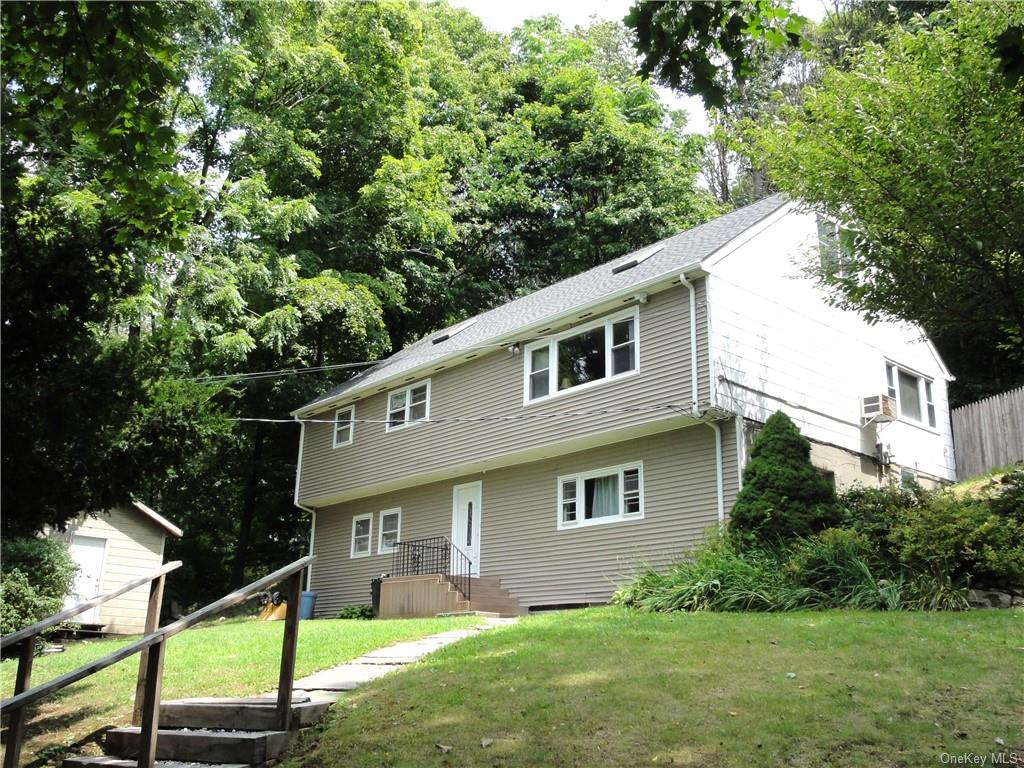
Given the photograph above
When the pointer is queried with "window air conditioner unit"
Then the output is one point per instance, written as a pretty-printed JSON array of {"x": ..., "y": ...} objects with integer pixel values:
[{"x": 877, "y": 408}]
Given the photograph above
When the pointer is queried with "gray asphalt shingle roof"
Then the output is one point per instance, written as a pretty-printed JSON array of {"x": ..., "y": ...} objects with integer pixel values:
[{"x": 675, "y": 252}]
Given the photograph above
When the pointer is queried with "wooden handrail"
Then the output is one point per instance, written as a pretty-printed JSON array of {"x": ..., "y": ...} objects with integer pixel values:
[
  {"x": 58, "y": 618},
  {"x": 44, "y": 690}
]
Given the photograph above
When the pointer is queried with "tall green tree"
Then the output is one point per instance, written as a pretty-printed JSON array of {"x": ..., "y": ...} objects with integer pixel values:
[
  {"x": 93, "y": 201},
  {"x": 917, "y": 150}
]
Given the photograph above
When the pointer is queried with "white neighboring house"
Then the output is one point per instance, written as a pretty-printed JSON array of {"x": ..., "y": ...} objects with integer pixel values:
[
  {"x": 777, "y": 344},
  {"x": 110, "y": 550}
]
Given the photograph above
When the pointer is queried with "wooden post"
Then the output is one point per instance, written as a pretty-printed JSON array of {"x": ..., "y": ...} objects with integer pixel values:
[
  {"x": 156, "y": 596},
  {"x": 16, "y": 723},
  {"x": 288, "y": 646},
  {"x": 151, "y": 705}
]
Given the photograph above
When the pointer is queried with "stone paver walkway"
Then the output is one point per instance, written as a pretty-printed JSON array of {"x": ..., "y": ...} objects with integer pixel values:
[{"x": 330, "y": 684}]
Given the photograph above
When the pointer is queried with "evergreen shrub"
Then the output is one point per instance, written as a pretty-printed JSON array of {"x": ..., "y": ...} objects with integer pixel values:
[{"x": 783, "y": 496}]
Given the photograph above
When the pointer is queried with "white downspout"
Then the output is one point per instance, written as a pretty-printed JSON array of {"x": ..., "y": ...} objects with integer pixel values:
[
  {"x": 694, "y": 407},
  {"x": 693, "y": 342},
  {"x": 303, "y": 507},
  {"x": 719, "y": 474}
]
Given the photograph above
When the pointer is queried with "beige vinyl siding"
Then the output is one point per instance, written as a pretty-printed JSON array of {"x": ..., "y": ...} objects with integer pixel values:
[
  {"x": 135, "y": 547},
  {"x": 519, "y": 539},
  {"x": 492, "y": 385}
]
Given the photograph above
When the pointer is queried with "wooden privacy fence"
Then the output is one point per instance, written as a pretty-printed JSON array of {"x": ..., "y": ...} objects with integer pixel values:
[{"x": 989, "y": 433}]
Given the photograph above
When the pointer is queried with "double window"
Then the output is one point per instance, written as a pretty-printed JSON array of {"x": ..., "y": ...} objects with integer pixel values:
[
  {"x": 390, "y": 530},
  {"x": 344, "y": 426},
  {"x": 601, "y": 496},
  {"x": 913, "y": 395},
  {"x": 408, "y": 405},
  {"x": 362, "y": 527},
  {"x": 599, "y": 350}
]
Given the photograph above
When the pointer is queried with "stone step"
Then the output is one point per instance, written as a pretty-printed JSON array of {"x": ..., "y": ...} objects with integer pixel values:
[
  {"x": 202, "y": 745},
  {"x": 109, "y": 761},
  {"x": 255, "y": 714}
]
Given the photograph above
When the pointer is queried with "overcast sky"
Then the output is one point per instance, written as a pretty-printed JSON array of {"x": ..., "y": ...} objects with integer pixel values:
[{"x": 505, "y": 15}]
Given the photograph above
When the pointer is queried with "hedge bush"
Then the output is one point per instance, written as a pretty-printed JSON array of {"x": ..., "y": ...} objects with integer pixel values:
[{"x": 35, "y": 577}]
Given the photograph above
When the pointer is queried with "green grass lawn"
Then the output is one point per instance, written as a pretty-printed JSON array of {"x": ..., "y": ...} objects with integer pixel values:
[
  {"x": 610, "y": 687},
  {"x": 231, "y": 658}
]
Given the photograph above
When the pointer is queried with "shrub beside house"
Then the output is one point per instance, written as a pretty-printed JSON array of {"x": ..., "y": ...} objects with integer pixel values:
[{"x": 791, "y": 546}]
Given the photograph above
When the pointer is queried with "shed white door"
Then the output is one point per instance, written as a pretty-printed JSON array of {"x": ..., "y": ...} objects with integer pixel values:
[
  {"x": 466, "y": 513},
  {"x": 88, "y": 552}
]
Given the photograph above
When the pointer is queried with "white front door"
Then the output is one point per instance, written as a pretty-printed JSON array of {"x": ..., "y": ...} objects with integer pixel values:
[
  {"x": 88, "y": 553},
  {"x": 466, "y": 509}
]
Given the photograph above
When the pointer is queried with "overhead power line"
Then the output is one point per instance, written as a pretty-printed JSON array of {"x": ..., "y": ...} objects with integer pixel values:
[{"x": 681, "y": 410}]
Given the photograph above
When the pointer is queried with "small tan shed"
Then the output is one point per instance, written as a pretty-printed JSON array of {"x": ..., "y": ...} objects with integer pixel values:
[{"x": 112, "y": 549}]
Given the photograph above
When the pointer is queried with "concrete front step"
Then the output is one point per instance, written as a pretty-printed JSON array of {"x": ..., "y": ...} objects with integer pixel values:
[
  {"x": 109, "y": 761},
  {"x": 254, "y": 714},
  {"x": 207, "y": 746},
  {"x": 501, "y": 608}
]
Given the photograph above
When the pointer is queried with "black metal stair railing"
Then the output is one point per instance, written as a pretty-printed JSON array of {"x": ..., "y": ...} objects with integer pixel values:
[{"x": 439, "y": 555}]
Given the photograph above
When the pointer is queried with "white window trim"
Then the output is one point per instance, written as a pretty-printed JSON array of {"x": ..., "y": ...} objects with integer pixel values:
[
  {"x": 407, "y": 390},
  {"x": 922, "y": 396},
  {"x": 551, "y": 342},
  {"x": 369, "y": 536},
  {"x": 351, "y": 409},
  {"x": 381, "y": 549},
  {"x": 579, "y": 477}
]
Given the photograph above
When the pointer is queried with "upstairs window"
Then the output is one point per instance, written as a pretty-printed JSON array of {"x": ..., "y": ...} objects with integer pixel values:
[
  {"x": 601, "y": 496},
  {"x": 409, "y": 405},
  {"x": 344, "y": 426},
  {"x": 913, "y": 395},
  {"x": 361, "y": 528},
  {"x": 835, "y": 248},
  {"x": 390, "y": 528},
  {"x": 600, "y": 350}
]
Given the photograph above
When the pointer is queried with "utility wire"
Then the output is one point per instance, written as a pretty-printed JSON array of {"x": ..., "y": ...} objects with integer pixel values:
[
  {"x": 415, "y": 358},
  {"x": 476, "y": 419},
  {"x": 339, "y": 366}
]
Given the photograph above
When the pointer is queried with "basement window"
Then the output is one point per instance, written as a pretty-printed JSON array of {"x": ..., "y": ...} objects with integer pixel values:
[{"x": 605, "y": 495}]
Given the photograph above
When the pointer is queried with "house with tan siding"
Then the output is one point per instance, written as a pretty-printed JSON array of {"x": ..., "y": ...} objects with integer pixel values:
[{"x": 541, "y": 451}]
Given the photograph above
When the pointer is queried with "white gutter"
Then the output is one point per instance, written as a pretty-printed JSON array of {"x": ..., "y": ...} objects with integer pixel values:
[
  {"x": 510, "y": 337},
  {"x": 303, "y": 507},
  {"x": 694, "y": 388},
  {"x": 719, "y": 474}
]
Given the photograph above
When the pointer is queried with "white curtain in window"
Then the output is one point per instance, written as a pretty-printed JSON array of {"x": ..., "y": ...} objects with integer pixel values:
[{"x": 603, "y": 493}]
